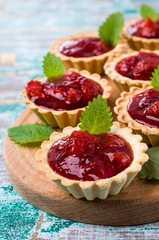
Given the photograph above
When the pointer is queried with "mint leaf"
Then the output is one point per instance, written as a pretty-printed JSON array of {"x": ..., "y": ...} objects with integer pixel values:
[
  {"x": 155, "y": 79},
  {"x": 151, "y": 168},
  {"x": 109, "y": 31},
  {"x": 148, "y": 12},
  {"x": 30, "y": 133},
  {"x": 53, "y": 67},
  {"x": 97, "y": 117}
]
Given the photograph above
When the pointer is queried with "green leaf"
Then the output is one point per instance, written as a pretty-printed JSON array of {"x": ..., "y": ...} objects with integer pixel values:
[
  {"x": 97, "y": 117},
  {"x": 109, "y": 31},
  {"x": 148, "y": 12},
  {"x": 53, "y": 67},
  {"x": 151, "y": 168},
  {"x": 30, "y": 133},
  {"x": 155, "y": 79}
]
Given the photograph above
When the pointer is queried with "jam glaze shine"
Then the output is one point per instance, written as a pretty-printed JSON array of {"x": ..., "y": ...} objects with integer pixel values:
[{"x": 86, "y": 157}]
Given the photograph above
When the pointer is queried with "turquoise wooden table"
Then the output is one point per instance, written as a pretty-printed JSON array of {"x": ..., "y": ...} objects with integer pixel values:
[{"x": 27, "y": 30}]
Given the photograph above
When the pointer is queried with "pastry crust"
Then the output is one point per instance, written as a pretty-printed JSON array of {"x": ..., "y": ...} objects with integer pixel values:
[
  {"x": 138, "y": 42},
  {"x": 100, "y": 188},
  {"x": 92, "y": 64},
  {"x": 65, "y": 118},
  {"x": 124, "y": 82},
  {"x": 150, "y": 135}
]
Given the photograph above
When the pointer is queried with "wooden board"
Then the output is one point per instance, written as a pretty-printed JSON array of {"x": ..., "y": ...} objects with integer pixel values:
[{"x": 137, "y": 204}]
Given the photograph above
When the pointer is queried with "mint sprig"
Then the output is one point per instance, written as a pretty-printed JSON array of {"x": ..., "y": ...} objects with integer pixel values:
[
  {"x": 150, "y": 169},
  {"x": 97, "y": 117},
  {"x": 109, "y": 31},
  {"x": 53, "y": 67},
  {"x": 30, "y": 133},
  {"x": 155, "y": 79},
  {"x": 148, "y": 12}
]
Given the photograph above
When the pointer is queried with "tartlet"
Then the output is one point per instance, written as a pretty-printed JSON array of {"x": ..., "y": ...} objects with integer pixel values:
[
  {"x": 124, "y": 82},
  {"x": 136, "y": 42},
  {"x": 65, "y": 118},
  {"x": 149, "y": 133},
  {"x": 100, "y": 188},
  {"x": 92, "y": 64}
]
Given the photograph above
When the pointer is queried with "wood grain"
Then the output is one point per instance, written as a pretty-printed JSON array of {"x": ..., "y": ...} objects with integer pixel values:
[{"x": 136, "y": 204}]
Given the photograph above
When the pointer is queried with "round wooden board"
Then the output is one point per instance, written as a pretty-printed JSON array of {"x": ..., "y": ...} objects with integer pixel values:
[{"x": 137, "y": 204}]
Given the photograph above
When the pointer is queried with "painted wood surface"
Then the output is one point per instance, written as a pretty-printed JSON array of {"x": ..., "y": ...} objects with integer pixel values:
[{"x": 27, "y": 30}]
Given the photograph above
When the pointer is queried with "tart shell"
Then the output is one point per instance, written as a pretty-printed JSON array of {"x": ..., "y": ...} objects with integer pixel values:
[
  {"x": 100, "y": 188},
  {"x": 138, "y": 42},
  {"x": 150, "y": 135},
  {"x": 92, "y": 64},
  {"x": 124, "y": 83},
  {"x": 65, "y": 118}
]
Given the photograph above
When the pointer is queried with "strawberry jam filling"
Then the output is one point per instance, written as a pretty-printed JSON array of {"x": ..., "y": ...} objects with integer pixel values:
[
  {"x": 138, "y": 67},
  {"x": 144, "y": 108},
  {"x": 85, "y": 157},
  {"x": 73, "y": 91},
  {"x": 145, "y": 29},
  {"x": 84, "y": 47}
]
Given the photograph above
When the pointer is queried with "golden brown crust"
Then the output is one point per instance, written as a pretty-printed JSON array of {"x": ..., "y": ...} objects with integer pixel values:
[
  {"x": 92, "y": 64},
  {"x": 65, "y": 118},
  {"x": 100, "y": 188},
  {"x": 137, "y": 42},
  {"x": 123, "y": 115},
  {"x": 116, "y": 58}
]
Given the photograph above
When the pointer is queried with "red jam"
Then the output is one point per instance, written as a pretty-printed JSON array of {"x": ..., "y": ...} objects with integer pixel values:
[
  {"x": 138, "y": 67},
  {"x": 144, "y": 108},
  {"x": 74, "y": 91},
  {"x": 145, "y": 29},
  {"x": 84, "y": 47},
  {"x": 85, "y": 157}
]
